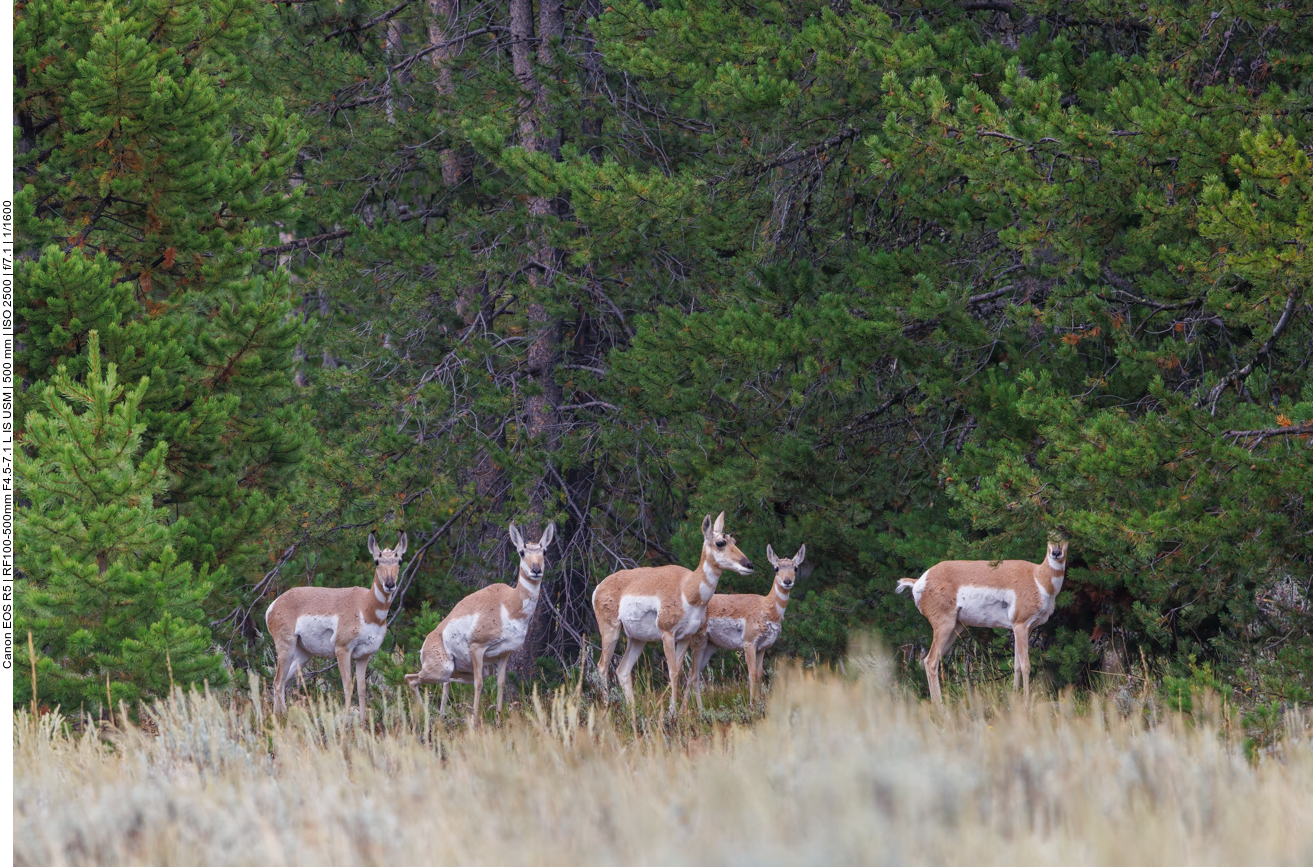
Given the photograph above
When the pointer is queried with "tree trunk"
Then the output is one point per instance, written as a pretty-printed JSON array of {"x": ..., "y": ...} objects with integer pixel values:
[
  {"x": 539, "y": 132},
  {"x": 443, "y": 36}
]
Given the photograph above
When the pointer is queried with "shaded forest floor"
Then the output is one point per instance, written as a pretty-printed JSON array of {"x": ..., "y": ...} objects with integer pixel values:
[{"x": 836, "y": 768}]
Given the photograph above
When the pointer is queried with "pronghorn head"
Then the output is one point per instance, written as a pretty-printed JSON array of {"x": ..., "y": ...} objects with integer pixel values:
[
  {"x": 532, "y": 562},
  {"x": 786, "y": 568},
  {"x": 387, "y": 563},
  {"x": 721, "y": 548},
  {"x": 1058, "y": 555}
]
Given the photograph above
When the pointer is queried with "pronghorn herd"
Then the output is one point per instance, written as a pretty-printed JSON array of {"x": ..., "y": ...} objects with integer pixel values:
[{"x": 675, "y": 606}]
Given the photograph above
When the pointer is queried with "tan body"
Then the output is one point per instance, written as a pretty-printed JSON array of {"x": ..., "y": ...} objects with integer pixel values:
[
  {"x": 346, "y": 623},
  {"x": 1013, "y": 594},
  {"x": 664, "y": 603},
  {"x": 746, "y": 622},
  {"x": 484, "y": 629}
]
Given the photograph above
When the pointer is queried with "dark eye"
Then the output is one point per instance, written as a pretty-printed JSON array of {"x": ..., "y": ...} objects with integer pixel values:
[{"x": 720, "y": 544}]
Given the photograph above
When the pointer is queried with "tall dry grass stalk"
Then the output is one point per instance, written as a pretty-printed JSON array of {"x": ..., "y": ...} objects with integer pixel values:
[{"x": 839, "y": 771}]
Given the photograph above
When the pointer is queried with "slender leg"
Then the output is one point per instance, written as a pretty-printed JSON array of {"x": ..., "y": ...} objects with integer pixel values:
[
  {"x": 476, "y": 671},
  {"x": 442, "y": 708},
  {"x": 944, "y": 634},
  {"x": 672, "y": 663},
  {"x": 633, "y": 649},
  {"x": 700, "y": 657},
  {"x": 703, "y": 657},
  {"x": 344, "y": 667},
  {"x": 750, "y": 652},
  {"x": 501, "y": 680},
  {"x": 280, "y": 678},
  {"x": 610, "y": 635},
  {"x": 361, "y": 665},
  {"x": 297, "y": 659},
  {"x": 1021, "y": 657}
]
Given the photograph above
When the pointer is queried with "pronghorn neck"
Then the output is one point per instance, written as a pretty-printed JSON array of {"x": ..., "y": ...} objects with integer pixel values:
[
  {"x": 780, "y": 599},
  {"x": 708, "y": 570},
  {"x": 707, "y": 577},
  {"x": 1057, "y": 572},
  {"x": 529, "y": 585}
]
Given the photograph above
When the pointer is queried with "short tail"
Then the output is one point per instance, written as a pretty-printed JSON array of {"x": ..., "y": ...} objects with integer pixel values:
[{"x": 903, "y": 583}]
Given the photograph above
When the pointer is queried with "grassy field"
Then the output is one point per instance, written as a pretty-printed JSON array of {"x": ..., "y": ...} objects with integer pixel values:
[{"x": 840, "y": 769}]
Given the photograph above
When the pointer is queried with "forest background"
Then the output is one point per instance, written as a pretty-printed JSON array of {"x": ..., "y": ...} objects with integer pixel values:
[{"x": 902, "y": 282}]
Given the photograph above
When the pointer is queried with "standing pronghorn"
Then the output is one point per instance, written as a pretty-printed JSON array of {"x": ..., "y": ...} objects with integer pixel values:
[
  {"x": 343, "y": 622},
  {"x": 1012, "y": 595},
  {"x": 745, "y": 622},
  {"x": 662, "y": 603},
  {"x": 484, "y": 628}
]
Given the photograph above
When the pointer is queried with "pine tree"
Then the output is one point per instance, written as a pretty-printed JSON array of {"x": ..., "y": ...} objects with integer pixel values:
[
  {"x": 149, "y": 177},
  {"x": 107, "y": 599}
]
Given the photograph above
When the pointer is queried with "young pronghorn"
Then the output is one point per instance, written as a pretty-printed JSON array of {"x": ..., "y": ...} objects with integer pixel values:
[
  {"x": 1013, "y": 595},
  {"x": 343, "y": 622},
  {"x": 484, "y": 628},
  {"x": 662, "y": 603},
  {"x": 745, "y": 622}
]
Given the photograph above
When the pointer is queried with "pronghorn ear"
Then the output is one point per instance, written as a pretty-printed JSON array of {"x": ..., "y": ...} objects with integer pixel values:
[
  {"x": 800, "y": 556},
  {"x": 373, "y": 547},
  {"x": 770, "y": 556},
  {"x": 548, "y": 535},
  {"x": 706, "y": 528},
  {"x": 720, "y": 525},
  {"x": 516, "y": 539},
  {"x": 401, "y": 544}
]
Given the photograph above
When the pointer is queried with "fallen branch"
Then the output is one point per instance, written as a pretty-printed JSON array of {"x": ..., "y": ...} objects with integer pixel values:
[
  {"x": 305, "y": 242},
  {"x": 408, "y": 576},
  {"x": 1239, "y": 375},
  {"x": 378, "y": 19},
  {"x": 812, "y": 151},
  {"x": 1289, "y": 431}
]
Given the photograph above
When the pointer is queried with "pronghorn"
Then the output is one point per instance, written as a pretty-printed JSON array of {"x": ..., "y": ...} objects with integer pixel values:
[
  {"x": 484, "y": 628},
  {"x": 343, "y": 622},
  {"x": 745, "y": 622},
  {"x": 664, "y": 603},
  {"x": 1012, "y": 595}
]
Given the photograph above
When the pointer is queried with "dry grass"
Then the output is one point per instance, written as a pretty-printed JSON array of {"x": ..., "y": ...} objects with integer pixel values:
[{"x": 840, "y": 770}]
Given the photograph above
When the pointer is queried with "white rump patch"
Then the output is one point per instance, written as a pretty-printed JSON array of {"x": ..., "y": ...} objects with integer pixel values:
[
  {"x": 918, "y": 590},
  {"x": 726, "y": 632},
  {"x": 318, "y": 634},
  {"x": 638, "y": 614},
  {"x": 456, "y": 638},
  {"x": 992, "y": 607}
]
